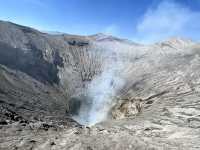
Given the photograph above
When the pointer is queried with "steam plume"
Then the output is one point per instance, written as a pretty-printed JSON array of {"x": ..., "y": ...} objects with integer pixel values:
[{"x": 103, "y": 88}]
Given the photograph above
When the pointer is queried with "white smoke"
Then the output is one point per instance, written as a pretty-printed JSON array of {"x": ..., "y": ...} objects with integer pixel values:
[{"x": 102, "y": 90}]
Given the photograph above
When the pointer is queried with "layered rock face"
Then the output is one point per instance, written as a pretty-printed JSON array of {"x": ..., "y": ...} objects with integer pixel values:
[{"x": 141, "y": 96}]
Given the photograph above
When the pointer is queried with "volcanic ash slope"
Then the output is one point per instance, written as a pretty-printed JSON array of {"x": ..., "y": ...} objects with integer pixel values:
[{"x": 139, "y": 96}]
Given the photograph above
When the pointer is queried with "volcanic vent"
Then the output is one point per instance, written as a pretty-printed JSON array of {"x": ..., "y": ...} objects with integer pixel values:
[{"x": 97, "y": 95}]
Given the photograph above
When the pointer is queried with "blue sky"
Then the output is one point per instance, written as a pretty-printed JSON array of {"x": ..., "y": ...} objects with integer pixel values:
[{"x": 142, "y": 21}]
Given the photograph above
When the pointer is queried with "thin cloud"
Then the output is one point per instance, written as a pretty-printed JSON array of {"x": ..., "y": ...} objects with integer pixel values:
[
  {"x": 167, "y": 20},
  {"x": 111, "y": 30}
]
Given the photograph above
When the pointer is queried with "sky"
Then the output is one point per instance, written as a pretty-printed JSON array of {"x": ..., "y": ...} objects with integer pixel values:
[{"x": 143, "y": 21}]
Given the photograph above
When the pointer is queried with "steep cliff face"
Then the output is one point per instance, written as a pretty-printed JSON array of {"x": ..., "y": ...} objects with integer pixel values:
[
  {"x": 53, "y": 59},
  {"x": 40, "y": 59},
  {"x": 152, "y": 90}
]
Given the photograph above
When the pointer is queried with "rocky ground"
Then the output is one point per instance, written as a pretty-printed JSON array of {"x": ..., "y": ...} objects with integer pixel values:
[{"x": 158, "y": 107}]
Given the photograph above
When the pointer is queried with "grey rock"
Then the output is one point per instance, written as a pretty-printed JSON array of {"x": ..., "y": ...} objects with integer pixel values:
[{"x": 40, "y": 75}]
